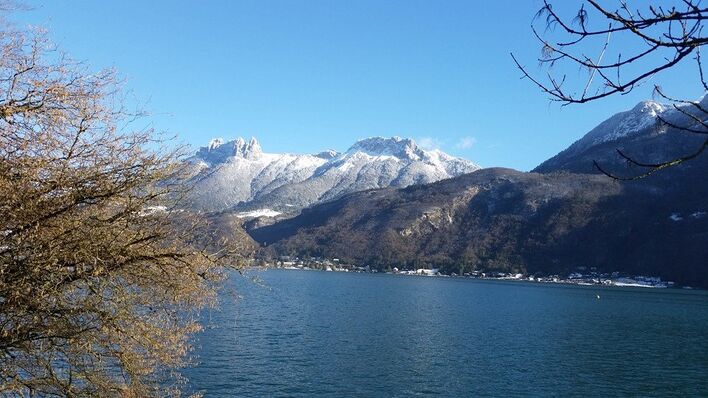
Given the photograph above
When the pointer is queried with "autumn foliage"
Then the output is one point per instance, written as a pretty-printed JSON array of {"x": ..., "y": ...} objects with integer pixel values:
[{"x": 101, "y": 272}]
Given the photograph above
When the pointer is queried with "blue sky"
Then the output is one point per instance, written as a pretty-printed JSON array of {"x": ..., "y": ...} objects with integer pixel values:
[{"x": 304, "y": 76}]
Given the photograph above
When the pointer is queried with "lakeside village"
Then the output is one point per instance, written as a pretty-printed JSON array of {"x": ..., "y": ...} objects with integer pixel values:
[{"x": 582, "y": 276}]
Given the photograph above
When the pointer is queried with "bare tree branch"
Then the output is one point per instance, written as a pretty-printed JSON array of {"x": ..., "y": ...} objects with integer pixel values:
[{"x": 664, "y": 38}]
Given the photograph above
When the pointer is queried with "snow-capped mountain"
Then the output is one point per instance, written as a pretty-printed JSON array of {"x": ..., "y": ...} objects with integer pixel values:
[
  {"x": 638, "y": 132},
  {"x": 550, "y": 221},
  {"x": 642, "y": 116},
  {"x": 238, "y": 174}
]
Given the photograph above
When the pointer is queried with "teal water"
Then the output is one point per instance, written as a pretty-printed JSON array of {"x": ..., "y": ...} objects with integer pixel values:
[{"x": 311, "y": 333}]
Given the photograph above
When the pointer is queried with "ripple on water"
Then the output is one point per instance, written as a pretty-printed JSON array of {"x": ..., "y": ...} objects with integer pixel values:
[{"x": 333, "y": 334}]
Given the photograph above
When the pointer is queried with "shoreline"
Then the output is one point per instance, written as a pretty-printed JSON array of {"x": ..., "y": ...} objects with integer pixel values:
[{"x": 632, "y": 281}]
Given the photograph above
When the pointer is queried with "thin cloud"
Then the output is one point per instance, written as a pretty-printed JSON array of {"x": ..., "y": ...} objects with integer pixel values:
[
  {"x": 466, "y": 143},
  {"x": 429, "y": 143}
]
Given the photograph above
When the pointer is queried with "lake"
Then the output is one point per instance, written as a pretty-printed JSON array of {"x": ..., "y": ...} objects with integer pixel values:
[{"x": 305, "y": 333}]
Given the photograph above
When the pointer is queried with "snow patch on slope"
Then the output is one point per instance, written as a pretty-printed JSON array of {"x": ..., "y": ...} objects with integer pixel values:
[{"x": 258, "y": 213}]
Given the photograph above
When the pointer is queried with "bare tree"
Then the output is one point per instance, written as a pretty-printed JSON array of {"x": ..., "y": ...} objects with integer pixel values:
[
  {"x": 657, "y": 38},
  {"x": 101, "y": 272}
]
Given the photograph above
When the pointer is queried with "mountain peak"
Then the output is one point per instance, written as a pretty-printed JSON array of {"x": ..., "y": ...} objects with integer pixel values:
[
  {"x": 647, "y": 104},
  {"x": 623, "y": 124},
  {"x": 249, "y": 150},
  {"x": 404, "y": 148},
  {"x": 215, "y": 143},
  {"x": 219, "y": 151},
  {"x": 650, "y": 108},
  {"x": 250, "y": 180},
  {"x": 328, "y": 154},
  {"x": 631, "y": 128}
]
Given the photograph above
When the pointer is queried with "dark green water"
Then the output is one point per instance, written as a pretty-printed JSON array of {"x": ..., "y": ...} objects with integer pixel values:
[{"x": 334, "y": 334}]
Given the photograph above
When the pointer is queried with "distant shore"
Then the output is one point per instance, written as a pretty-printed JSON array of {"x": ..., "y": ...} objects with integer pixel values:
[{"x": 576, "y": 278}]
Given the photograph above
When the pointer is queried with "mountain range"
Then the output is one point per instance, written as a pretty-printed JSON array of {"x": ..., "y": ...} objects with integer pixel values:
[
  {"x": 237, "y": 176},
  {"x": 562, "y": 216}
]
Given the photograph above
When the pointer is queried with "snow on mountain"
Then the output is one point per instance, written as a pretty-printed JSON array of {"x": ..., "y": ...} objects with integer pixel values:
[
  {"x": 258, "y": 213},
  {"x": 632, "y": 131},
  {"x": 403, "y": 148},
  {"x": 239, "y": 174},
  {"x": 642, "y": 116},
  {"x": 218, "y": 152}
]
